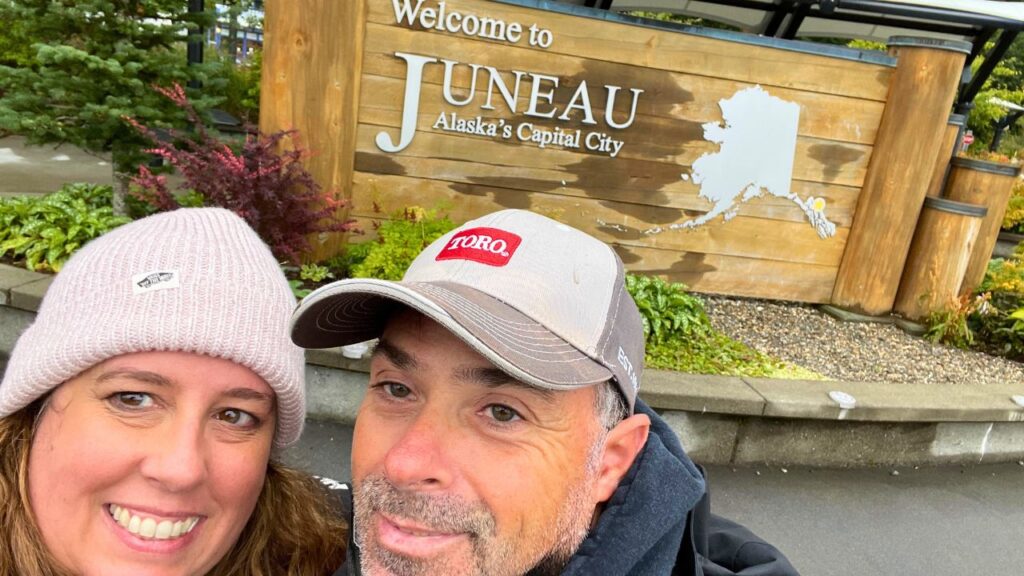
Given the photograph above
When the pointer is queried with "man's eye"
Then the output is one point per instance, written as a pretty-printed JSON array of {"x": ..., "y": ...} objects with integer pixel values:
[
  {"x": 502, "y": 413},
  {"x": 397, "y": 390},
  {"x": 131, "y": 400},
  {"x": 239, "y": 418}
]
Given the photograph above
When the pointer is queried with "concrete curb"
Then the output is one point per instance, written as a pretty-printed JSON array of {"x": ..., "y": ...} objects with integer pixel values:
[{"x": 723, "y": 419}]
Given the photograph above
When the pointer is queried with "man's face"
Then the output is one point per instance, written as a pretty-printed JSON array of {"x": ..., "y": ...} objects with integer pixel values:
[{"x": 458, "y": 469}]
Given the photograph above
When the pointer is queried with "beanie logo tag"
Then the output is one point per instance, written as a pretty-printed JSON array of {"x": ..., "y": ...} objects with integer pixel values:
[
  {"x": 489, "y": 246},
  {"x": 153, "y": 281}
]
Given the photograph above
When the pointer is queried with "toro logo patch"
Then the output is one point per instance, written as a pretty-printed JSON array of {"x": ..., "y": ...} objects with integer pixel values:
[{"x": 484, "y": 245}]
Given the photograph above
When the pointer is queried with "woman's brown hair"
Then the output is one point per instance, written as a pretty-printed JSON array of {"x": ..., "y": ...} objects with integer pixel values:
[{"x": 294, "y": 530}]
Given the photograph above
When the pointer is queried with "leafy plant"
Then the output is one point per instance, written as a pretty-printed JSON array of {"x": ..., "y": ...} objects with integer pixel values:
[
  {"x": 270, "y": 190},
  {"x": 666, "y": 310},
  {"x": 297, "y": 288},
  {"x": 44, "y": 231},
  {"x": 949, "y": 325},
  {"x": 999, "y": 326},
  {"x": 399, "y": 241},
  {"x": 993, "y": 319},
  {"x": 315, "y": 273}
]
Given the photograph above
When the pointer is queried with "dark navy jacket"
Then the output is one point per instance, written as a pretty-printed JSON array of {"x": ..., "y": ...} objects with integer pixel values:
[{"x": 658, "y": 523}]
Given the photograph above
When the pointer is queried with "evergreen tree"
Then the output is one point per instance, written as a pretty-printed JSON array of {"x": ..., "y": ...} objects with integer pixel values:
[{"x": 92, "y": 64}]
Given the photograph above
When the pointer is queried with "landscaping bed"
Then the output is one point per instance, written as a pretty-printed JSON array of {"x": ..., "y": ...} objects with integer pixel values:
[{"x": 853, "y": 351}]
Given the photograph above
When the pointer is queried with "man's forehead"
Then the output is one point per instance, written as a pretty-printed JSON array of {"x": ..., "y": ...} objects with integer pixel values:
[{"x": 471, "y": 369}]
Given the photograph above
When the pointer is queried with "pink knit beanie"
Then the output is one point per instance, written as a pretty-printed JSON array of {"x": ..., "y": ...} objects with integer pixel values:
[{"x": 193, "y": 280}]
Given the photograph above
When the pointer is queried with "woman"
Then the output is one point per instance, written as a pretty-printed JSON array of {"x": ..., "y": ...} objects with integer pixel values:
[{"x": 140, "y": 412}]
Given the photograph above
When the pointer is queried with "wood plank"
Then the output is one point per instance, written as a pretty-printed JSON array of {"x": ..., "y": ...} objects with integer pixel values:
[
  {"x": 712, "y": 273},
  {"x": 678, "y": 204},
  {"x": 521, "y": 167},
  {"x": 734, "y": 275},
  {"x": 619, "y": 222},
  {"x": 673, "y": 51},
  {"x": 680, "y": 97}
]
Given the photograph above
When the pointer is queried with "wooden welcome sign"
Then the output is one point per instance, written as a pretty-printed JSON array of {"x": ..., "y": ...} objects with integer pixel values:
[{"x": 731, "y": 163}]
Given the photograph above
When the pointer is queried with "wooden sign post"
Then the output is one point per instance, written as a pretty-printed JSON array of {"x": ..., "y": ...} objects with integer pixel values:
[{"x": 922, "y": 91}]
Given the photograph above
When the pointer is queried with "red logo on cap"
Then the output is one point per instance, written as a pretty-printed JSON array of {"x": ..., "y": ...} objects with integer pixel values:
[{"x": 484, "y": 245}]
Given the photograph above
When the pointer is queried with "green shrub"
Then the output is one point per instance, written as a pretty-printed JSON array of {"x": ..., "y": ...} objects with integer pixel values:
[
  {"x": 950, "y": 325},
  {"x": 43, "y": 231},
  {"x": 992, "y": 319},
  {"x": 667, "y": 311},
  {"x": 680, "y": 337},
  {"x": 239, "y": 85},
  {"x": 1004, "y": 275},
  {"x": 1013, "y": 221},
  {"x": 315, "y": 273},
  {"x": 998, "y": 324},
  {"x": 399, "y": 241}
]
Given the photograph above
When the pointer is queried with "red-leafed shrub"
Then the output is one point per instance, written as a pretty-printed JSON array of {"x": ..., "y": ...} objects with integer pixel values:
[{"x": 270, "y": 189}]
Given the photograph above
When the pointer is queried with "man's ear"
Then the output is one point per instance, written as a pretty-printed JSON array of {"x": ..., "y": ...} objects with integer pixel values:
[{"x": 621, "y": 446}]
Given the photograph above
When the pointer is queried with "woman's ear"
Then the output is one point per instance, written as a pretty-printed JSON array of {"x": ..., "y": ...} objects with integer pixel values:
[{"x": 621, "y": 447}]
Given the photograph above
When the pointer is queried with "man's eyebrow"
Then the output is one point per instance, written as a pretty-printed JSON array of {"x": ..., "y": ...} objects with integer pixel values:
[
  {"x": 132, "y": 374},
  {"x": 495, "y": 378},
  {"x": 400, "y": 358}
]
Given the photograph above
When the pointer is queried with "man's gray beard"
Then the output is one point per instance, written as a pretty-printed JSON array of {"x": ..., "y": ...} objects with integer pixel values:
[{"x": 491, "y": 557}]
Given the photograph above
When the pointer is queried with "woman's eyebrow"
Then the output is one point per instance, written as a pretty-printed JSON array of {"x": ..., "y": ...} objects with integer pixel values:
[
  {"x": 139, "y": 375},
  {"x": 249, "y": 394}
]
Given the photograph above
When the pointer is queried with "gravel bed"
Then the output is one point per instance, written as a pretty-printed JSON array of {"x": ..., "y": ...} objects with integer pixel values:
[{"x": 852, "y": 351}]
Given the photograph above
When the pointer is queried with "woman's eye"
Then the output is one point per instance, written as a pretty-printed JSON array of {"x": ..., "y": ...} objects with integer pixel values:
[
  {"x": 502, "y": 413},
  {"x": 239, "y": 418},
  {"x": 131, "y": 400},
  {"x": 397, "y": 390}
]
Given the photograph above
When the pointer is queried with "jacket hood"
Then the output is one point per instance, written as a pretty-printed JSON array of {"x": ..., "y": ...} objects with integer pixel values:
[{"x": 642, "y": 525}]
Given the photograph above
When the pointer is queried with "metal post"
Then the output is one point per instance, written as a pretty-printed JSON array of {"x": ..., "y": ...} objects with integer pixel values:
[
  {"x": 1001, "y": 126},
  {"x": 195, "y": 45}
]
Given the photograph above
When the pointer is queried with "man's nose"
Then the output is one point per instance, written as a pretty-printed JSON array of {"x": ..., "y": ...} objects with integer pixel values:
[
  {"x": 421, "y": 458},
  {"x": 176, "y": 456}
]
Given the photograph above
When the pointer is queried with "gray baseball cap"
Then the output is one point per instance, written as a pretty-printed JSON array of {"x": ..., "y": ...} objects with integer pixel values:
[{"x": 544, "y": 302}]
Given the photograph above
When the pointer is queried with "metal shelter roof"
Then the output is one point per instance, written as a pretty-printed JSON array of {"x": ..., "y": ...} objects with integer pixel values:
[{"x": 976, "y": 21}]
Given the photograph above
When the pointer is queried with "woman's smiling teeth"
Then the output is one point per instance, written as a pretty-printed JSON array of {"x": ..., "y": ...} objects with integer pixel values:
[{"x": 150, "y": 528}]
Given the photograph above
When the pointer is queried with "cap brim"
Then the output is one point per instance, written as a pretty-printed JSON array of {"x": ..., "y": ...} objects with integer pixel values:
[{"x": 357, "y": 310}]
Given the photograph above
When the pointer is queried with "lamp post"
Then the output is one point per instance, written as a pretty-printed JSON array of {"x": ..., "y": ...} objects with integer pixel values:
[{"x": 195, "y": 45}]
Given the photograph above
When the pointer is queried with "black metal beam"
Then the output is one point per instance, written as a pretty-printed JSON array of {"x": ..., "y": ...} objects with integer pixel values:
[
  {"x": 795, "y": 21},
  {"x": 978, "y": 45},
  {"x": 1006, "y": 38},
  {"x": 779, "y": 13}
]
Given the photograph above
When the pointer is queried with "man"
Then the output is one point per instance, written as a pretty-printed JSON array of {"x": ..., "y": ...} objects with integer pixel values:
[{"x": 502, "y": 433}]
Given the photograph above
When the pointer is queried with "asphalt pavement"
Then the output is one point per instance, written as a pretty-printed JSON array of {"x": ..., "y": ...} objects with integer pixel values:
[
  {"x": 927, "y": 521},
  {"x": 41, "y": 169}
]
